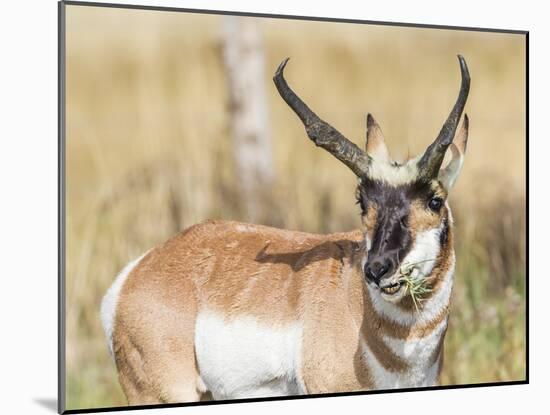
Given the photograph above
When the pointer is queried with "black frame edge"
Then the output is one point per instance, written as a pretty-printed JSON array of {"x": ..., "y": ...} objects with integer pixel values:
[
  {"x": 527, "y": 207},
  {"x": 61, "y": 301},
  {"x": 291, "y": 17},
  {"x": 286, "y": 398}
]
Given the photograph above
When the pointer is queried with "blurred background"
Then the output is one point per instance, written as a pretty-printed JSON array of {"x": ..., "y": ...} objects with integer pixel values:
[{"x": 172, "y": 118}]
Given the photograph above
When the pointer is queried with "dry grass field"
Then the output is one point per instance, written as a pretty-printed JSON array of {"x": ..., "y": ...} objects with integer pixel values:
[{"x": 149, "y": 153}]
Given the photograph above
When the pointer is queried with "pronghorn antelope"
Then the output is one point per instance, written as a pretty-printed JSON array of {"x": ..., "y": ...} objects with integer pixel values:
[{"x": 229, "y": 310}]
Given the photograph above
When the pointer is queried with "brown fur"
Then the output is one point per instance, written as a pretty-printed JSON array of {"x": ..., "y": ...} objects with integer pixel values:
[
  {"x": 235, "y": 269},
  {"x": 369, "y": 220},
  {"x": 421, "y": 218}
]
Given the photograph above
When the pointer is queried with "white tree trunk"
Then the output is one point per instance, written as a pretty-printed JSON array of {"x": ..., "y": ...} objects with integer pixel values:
[{"x": 244, "y": 61}]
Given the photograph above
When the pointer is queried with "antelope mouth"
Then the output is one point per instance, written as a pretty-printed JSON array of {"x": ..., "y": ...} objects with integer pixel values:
[{"x": 392, "y": 289}]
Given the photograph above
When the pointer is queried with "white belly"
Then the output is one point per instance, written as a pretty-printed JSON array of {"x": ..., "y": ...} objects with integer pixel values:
[{"x": 242, "y": 358}]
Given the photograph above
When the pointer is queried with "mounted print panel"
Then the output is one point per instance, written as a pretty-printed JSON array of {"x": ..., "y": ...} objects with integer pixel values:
[{"x": 258, "y": 207}]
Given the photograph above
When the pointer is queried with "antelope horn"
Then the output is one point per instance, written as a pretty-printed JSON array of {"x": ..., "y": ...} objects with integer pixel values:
[
  {"x": 320, "y": 132},
  {"x": 431, "y": 160}
]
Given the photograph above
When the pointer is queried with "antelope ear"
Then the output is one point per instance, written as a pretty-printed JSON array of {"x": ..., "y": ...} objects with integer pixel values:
[
  {"x": 449, "y": 174},
  {"x": 376, "y": 145}
]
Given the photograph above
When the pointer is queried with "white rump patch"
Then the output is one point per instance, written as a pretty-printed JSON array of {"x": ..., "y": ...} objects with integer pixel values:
[
  {"x": 110, "y": 300},
  {"x": 243, "y": 358}
]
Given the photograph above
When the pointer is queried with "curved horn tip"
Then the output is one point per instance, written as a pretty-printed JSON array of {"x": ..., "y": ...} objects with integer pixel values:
[
  {"x": 281, "y": 67},
  {"x": 463, "y": 66}
]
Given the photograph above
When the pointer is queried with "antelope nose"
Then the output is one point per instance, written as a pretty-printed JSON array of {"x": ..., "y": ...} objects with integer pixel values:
[{"x": 376, "y": 270}]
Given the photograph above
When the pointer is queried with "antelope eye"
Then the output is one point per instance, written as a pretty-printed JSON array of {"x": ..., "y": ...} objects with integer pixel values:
[{"x": 435, "y": 204}]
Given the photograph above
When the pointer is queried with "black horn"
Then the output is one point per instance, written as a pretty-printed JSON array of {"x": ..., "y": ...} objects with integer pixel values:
[
  {"x": 320, "y": 132},
  {"x": 431, "y": 160}
]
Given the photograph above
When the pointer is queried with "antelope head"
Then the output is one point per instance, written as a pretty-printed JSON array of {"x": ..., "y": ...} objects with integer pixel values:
[{"x": 405, "y": 215}]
